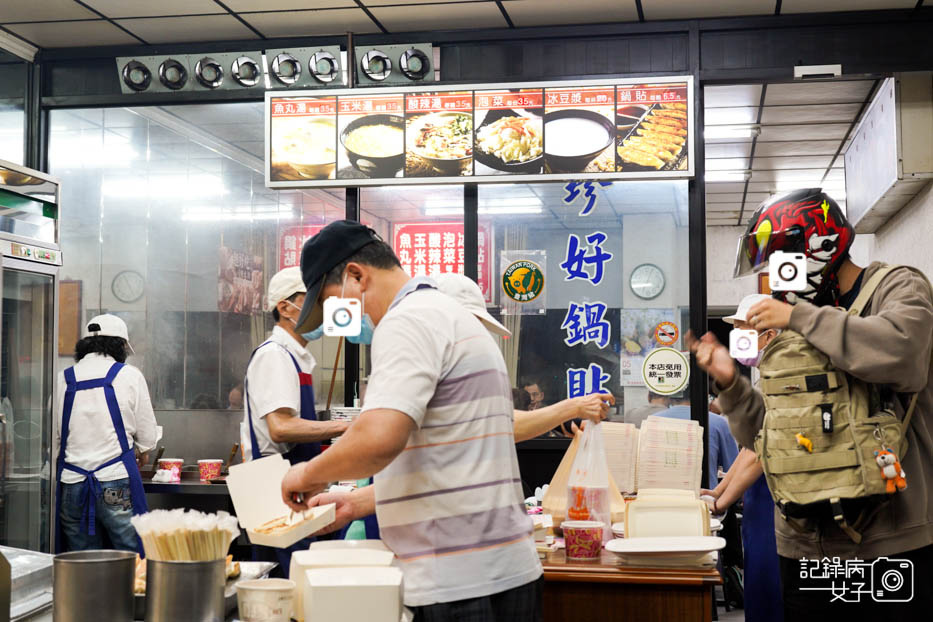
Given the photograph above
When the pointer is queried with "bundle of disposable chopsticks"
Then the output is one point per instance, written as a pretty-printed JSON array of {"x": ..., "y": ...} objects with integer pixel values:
[{"x": 180, "y": 535}]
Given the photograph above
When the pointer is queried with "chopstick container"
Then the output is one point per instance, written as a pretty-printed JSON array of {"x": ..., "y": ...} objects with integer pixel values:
[
  {"x": 192, "y": 591},
  {"x": 82, "y": 580}
]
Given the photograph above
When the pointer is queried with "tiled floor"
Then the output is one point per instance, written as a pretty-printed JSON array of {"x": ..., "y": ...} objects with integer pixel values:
[{"x": 736, "y": 615}]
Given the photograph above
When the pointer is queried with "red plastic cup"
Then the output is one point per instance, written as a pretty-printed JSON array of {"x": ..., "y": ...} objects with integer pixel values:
[
  {"x": 209, "y": 469},
  {"x": 583, "y": 539}
]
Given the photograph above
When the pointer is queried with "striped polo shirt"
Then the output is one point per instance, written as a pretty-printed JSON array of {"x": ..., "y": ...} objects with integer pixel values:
[{"x": 450, "y": 505}]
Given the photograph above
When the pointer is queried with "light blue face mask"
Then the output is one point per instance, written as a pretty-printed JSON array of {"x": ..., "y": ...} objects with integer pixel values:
[
  {"x": 315, "y": 334},
  {"x": 367, "y": 328}
]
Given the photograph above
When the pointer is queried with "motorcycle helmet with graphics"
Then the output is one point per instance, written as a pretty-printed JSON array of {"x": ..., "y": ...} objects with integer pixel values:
[{"x": 804, "y": 221}]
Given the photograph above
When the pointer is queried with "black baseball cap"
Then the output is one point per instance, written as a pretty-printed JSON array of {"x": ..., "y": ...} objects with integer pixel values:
[{"x": 332, "y": 245}]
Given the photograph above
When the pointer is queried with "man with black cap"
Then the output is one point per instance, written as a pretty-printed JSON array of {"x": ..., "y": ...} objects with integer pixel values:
[{"x": 436, "y": 428}]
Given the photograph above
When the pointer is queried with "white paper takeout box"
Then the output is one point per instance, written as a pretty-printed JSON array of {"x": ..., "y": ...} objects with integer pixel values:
[
  {"x": 349, "y": 554},
  {"x": 256, "y": 490},
  {"x": 353, "y": 594}
]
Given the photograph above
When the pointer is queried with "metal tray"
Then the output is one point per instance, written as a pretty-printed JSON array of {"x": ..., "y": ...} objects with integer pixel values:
[
  {"x": 248, "y": 570},
  {"x": 673, "y": 165}
]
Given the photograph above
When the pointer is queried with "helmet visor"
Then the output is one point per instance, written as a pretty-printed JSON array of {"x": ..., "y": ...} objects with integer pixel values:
[{"x": 756, "y": 247}]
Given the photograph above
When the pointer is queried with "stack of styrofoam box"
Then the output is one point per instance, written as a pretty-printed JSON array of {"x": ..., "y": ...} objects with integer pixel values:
[{"x": 346, "y": 580}]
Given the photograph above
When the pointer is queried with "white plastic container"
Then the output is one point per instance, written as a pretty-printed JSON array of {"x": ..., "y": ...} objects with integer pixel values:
[
  {"x": 353, "y": 594},
  {"x": 350, "y": 554},
  {"x": 659, "y": 516},
  {"x": 256, "y": 490},
  {"x": 265, "y": 600}
]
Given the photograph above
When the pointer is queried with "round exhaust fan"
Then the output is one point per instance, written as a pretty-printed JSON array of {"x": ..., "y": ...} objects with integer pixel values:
[
  {"x": 136, "y": 75},
  {"x": 376, "y": 65}
]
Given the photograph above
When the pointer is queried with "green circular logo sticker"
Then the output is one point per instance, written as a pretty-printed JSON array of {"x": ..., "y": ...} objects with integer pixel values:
[
  {"x": 666, "y": 371},
  {"x": 523, "y": 281}
]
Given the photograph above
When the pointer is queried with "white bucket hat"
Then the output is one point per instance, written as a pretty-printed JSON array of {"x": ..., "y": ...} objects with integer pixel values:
[
  {"x": 284, "y": 284},
  {"x": 108, "y": 325},
  {"x": 470, "y": 296},
  {"x": 747, "y": 303}
]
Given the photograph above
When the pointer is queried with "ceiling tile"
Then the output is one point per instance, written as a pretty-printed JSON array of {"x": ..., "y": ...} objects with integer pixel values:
[
  {"x": 187, "y": 29},
  {"x": 807, "y": 176},
  {"x": 550, "y": 12},
  {"x": 242, "y": 6},
  {"x": 730, "y": 116},
  {"x": 304, "y": 23},
  {"x": 683, "y": 9},
  {"x": 440, "y": 17},
  {"x": 809, "y": 114},
  {"x": 72, "y": 34},
  {"x": 794, "y": 148},
  {"x": 837, "y": 91},
  {"x": 727, "y": 164},
  {"x": 728, "y": 150},
  {"x": 761, "y": 164},
  {"x": 122, "y": 8},
  {"x": 46, "y": 10},
  {"x": 714, "y": 187},
  {"x": 803, "y": 132},
  {"x": 726, "y": 197},
  {"x": 825, "y": 6},
  {"x": 732, "y": 95}
]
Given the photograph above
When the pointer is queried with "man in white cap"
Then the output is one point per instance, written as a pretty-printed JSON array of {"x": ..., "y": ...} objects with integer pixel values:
[
  {"x": 104, "y": 417},
  {"x": 280, "y": 417},
  {"x": 527, "y": 424}
]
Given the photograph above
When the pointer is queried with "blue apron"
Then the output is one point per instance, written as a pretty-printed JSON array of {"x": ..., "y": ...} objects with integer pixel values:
[
  {"x": 763, "y": 594},
  {"x": 91, "y": 490},
  {"x": 301, "y": 452}
]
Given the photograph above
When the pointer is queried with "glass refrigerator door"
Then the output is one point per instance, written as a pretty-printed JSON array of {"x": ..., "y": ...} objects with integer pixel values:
[{"x": 26, "y": 390}]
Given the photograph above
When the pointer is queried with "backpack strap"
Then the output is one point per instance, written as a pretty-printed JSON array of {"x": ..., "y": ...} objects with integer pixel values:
[{"x": 862, "y": 300}]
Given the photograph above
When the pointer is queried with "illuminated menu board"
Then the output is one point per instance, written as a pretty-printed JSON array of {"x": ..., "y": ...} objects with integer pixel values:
[{"x": 604, "y": 129}]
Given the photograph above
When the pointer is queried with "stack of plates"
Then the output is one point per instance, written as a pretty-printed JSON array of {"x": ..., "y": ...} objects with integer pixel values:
[
  {"x": 670, "y": 454},
  {"x": 675, "y": 551}
]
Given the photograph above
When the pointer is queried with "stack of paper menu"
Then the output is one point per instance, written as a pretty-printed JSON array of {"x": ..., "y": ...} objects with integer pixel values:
[
  {"x": 621, "y": 442},
  {"x": 670, "y": 454}
]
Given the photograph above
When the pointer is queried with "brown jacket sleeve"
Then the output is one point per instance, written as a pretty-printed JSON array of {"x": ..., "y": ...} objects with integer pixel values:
[
  {"x": 890, "y": 346},
  {"x": 744, "y": 407}
]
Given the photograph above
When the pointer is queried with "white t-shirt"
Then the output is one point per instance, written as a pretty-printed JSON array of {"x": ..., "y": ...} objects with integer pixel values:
[
  {"x": 271, "y": 384},
  {"x": 450, "y": 505},
  {"x": 92, "y": 440}
]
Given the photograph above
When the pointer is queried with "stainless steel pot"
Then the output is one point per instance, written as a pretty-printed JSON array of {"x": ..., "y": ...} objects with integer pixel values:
[
  {"x": 191, "y": 591},
  {"x": 93, "y": 586}
]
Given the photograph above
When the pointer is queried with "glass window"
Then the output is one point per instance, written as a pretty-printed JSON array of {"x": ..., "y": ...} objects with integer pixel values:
[
  {"x": 168, "y": 224},
  {"x": 12, "y": 117},
  {"x": 584, "y": 274}
]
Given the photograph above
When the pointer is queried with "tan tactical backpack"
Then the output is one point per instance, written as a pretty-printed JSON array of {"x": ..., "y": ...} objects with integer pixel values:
[{"x": 822, "y": 428}]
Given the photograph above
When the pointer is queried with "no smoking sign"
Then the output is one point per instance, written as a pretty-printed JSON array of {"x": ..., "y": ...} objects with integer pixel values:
[{"x": 666, "y": 333}]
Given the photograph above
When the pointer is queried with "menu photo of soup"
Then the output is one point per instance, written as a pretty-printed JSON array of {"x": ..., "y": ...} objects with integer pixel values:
[
  {"x": 579, "y": 132},
  {"x": 371, "y": 136},
  {"x": 652, "y": 126},
  {"x": 509, "y": 137},
  {"x": 439, "y": 134},
  {"x": 303, "y": 138}
]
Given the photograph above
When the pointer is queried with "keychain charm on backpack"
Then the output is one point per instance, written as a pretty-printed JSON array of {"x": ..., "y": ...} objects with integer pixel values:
[{"x": 891, "y": 471}]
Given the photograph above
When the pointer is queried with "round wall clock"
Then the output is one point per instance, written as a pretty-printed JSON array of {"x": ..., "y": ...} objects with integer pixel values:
[
  {"x": 128, "y": 286},
  {"x": 647, "y": 281}
]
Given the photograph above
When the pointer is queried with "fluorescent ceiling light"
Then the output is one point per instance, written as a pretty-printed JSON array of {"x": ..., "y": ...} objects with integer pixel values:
[
  {"x": 165, "y": 187},
  {"x": 731, "y": 131},
  {"x": 486, "y": 211},
  {"x": 713, "y": 176},
  {"x": 14, "y": 45}
]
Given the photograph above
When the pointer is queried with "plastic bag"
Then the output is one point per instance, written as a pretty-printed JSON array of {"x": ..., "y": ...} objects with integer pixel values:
[{"x": 588, "y": 486}]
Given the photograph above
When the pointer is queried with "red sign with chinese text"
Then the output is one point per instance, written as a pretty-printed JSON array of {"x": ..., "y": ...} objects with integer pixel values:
[
  {"x": 579, "y": 97},
  {"x": 652, "y": 94},
  {"x": 504, "y": 100},
  {"x": 439, "y": 102},
  {"x": 291, "y": 240},
  {"x": 304, "y": 107},
  {"x": 370, "y": 105},
  {"x": 428, "y": 249}
]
